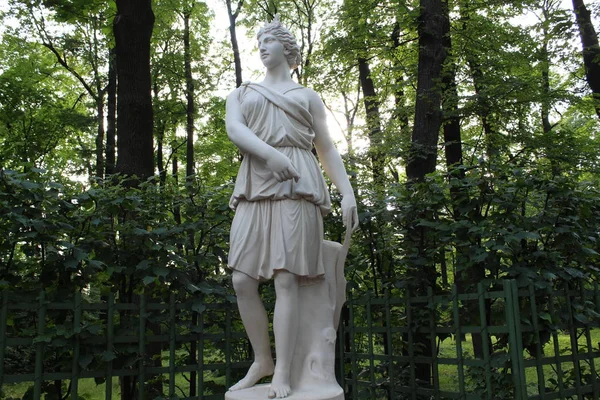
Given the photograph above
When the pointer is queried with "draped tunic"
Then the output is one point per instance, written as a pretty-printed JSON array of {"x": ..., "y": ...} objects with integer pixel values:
[{"x": 278, "y": 225}]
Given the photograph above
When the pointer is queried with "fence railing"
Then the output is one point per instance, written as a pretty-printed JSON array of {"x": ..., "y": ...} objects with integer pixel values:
[
  {"x": 493, "y": 344},
  {"x": 195, "y": 342},
  {"x": 533, "y": 344}
]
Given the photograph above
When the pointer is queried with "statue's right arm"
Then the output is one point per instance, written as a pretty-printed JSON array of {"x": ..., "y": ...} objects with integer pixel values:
[{"x": 239, "y": 133}]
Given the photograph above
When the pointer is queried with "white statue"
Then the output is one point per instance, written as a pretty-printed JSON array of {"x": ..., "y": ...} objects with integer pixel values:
[{"x": 280, "y": 198}]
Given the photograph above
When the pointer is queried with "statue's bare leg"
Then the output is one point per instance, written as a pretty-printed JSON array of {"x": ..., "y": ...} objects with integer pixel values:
[
  {"x": 285, "y": 328},
  {"x": 256, "y": 323}
]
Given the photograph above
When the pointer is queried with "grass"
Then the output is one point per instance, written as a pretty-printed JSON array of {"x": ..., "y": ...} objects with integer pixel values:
[
  {"x": 448, "y": 373},
  {"x": 89, "y": 390}
]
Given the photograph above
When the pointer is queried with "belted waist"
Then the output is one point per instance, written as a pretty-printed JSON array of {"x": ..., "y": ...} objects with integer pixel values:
[{"x": 293, "y": 147}]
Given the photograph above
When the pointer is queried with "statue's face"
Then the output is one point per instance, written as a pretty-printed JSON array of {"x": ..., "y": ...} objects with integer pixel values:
[{"x": 271, "y": 51}]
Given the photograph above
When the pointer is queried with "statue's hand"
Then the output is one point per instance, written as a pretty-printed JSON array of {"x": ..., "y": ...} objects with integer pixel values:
[
  {"x": 350, "y": 212},
  {"x": 281, "y": 167}
]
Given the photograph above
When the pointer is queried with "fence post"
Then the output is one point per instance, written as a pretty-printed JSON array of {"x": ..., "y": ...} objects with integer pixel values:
[
  {"x": 142, "y": 348},
  {"x": 486, "y": 340},
  {"x": 589, "y": 345},
  {"x": 559, "y": 371},
  {"x": 371, "y": 349},
  {"x": 574, "y": 344},
  {"x": 435, "y": 367},
  {"x": 200, "y": 357},
  {"x": 538, "y": 343},
  {"x": 172, "y": 344},
  {"x": 110, "y": 306},
  {"x": 76, "y": 346},
  {"x": 3, "y": 318},
  {"x": 390, "y": 344},
  {"x": 39, "y": 348},
  {"x": 515, "y": 338},
  {"x": 411, "y": 345},
  {"x": 458, "y": 336}
]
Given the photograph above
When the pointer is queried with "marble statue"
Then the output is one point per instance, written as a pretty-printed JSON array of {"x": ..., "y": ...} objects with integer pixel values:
[{"x": 280, "y": 198}]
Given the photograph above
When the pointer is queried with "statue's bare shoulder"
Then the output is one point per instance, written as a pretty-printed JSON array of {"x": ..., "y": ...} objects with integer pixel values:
[
  {"x": 236, "y": 93},
  {"x": 316, "y": 106}
]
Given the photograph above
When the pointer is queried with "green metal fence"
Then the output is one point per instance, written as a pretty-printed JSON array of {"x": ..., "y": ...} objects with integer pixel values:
[
  {"x": 536, "y": 344},
  {"x": 533, "y": 344},
  {"x": 107, "y": 352}
]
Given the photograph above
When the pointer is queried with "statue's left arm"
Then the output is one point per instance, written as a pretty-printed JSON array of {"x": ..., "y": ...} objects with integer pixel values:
[{"x": 332, "y": 161}]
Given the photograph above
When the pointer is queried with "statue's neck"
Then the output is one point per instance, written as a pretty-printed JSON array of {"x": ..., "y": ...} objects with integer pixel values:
[{"x": 278, "y": 76}]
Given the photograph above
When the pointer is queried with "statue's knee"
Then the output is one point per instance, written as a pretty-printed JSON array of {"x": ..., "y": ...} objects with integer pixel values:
[
  {"x": 285, "y": 282},
  {"x": 243, "y": 284}
]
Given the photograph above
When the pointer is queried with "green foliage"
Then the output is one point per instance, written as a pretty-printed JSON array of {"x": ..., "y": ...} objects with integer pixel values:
[
  {"x": 524, "y": 225},
  {"x": 56, "y": 238},
  {"x": 36, "y": 120},
  {"x": 217, "y": 154},
  {"x": 117, "y": 239}
]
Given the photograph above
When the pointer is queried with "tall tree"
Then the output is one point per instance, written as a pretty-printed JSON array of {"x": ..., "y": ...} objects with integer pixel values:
[
  {"x": 483, "y": 94},
  {"x": 400, "y": 98},
  {"x": 361, "y": 40},
  {"x": 432, "y": 28},
  {"x": 373, "y": 113},
  {"x": 591, "y": 49},
  {"x": 168, "y": 79},
  {"x": 132, "y": 29},
  {"x": 111, "y": 114},
  {"x": 190, "y": 109},
  {"x": 237, "y": 62}
]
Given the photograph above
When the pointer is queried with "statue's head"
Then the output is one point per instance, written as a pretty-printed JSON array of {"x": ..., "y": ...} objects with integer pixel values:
[{"x": 291, "y": 48}]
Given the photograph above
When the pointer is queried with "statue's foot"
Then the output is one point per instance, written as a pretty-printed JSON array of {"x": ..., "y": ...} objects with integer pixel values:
[
  {"x": 280, "y": 386},
  {"x": 257, "y": 371}
]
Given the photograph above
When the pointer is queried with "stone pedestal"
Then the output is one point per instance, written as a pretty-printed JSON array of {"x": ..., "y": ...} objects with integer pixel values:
[{"x": 260, "y": 392}]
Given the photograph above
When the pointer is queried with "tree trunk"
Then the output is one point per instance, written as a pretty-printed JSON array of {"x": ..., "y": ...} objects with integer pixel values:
[
  {"x": 481, "y": 91},
  {"x": 161, "y": 127},
  {"x": 100, "y": 136},
  {"x": 399, "y": 96},
  {"x": 428, "y": 115},
  {"x": 175, "y": 174},
  {"x": 234, "y": 42},
  {"x": 546, "y": 94},
  {"x": 451, "y": 123},
  {"x": 305, "y": 11},
  {"x": 591, "y": 49},
  {"x": 189, "y": 94},
  {"x": 100, "y": 92},
  {"x": 466, "y": 278},
  {"x": 111, "y": 115},
  {"x": 381, "y": 256},
  {"x": 545, "y": 66},
  {"x": 371, "y": 103},
  {"x": 432, "y": 28},
  {"x": 452, "y": 133},
  {"x": 133, "y": 30}
]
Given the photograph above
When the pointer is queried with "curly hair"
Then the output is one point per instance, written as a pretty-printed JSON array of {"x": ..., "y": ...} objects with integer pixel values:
[{"x": 285, "y": 37}]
